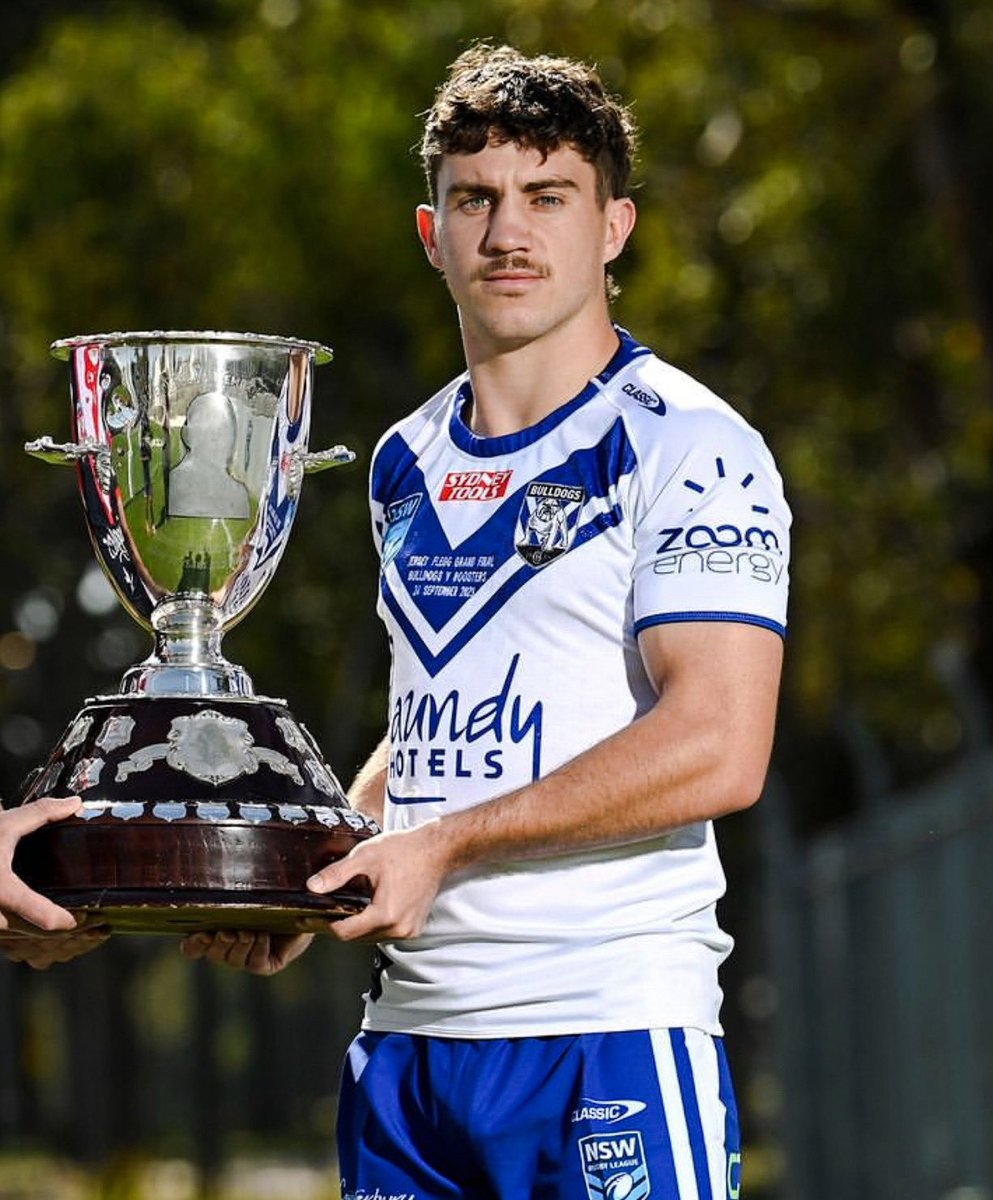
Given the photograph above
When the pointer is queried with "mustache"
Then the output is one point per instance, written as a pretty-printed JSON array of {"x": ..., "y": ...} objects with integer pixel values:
[{"x": 511, "y": 262}]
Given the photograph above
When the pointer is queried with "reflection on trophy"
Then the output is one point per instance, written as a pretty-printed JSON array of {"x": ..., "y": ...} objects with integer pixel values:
[{"x": 205, "y": 806}]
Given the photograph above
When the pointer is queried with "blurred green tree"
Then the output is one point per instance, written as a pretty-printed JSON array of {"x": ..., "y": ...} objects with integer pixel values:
[{"x": 808, "y": 245}]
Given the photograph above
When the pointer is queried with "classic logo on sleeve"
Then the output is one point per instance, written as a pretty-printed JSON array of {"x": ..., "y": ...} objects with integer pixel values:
[
  {"x": 398, "y": 515},
  {"x": 547, "y": 522}
]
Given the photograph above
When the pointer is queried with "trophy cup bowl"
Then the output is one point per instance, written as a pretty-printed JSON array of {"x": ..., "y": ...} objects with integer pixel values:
[{"x": 205, "y": 806}]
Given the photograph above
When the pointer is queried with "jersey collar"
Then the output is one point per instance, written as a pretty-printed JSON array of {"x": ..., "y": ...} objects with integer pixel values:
[{"x": 492, "y": 447}]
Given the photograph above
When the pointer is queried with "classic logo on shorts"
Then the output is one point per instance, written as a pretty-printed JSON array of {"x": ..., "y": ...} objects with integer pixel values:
[
  {"x": 475, "y": 485},
  {"x": 399, "y": 515},
  {"x": 610, "y": 1111},
  {"x": 546, "y": 525},
  {"x": 614, "y": 1166}
]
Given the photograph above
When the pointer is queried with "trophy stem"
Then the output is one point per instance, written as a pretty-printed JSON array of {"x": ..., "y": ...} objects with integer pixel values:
[{"x": 187, "y": 660}]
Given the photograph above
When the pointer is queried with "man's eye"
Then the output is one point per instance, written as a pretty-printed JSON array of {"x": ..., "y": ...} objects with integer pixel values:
[
  {"x": 474, "y": 203},
  {"x": 548, "y": 200}
]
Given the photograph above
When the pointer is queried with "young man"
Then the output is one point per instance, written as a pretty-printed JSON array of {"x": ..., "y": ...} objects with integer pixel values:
[
  {"x": 584, "y": 566},
  {"x": 32, "y": 928}
]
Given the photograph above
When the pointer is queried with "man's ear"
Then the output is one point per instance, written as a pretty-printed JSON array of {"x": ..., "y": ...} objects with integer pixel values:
[
  {"x": 426, "y": 232},
  {"x": 621, "y": 216}
]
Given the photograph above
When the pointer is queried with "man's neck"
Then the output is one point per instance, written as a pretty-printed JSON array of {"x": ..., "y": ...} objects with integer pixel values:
[{"x": 514, "y": 388}]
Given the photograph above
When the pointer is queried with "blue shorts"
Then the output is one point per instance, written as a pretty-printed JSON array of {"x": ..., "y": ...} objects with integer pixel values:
[{"x": 601, "y": 1116}]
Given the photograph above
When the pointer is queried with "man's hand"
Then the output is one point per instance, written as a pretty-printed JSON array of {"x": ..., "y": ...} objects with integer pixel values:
[
  {"x": 256, "y": 953},
  {"x": 405, "y": 867}
]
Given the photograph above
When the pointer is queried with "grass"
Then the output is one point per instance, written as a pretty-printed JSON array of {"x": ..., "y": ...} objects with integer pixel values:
[{"x": 39, "y": 1177}]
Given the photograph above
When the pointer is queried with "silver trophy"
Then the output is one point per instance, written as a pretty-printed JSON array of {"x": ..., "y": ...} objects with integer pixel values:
[{"x": 205, "y": 806}]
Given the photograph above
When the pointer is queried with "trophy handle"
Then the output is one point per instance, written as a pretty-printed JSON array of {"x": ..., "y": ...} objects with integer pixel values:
[
  {"x": 310, "y": 462},
  {"x": 63, "y": 454}
]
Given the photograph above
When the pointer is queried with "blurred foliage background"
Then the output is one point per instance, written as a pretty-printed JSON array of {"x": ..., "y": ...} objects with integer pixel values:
[{"x": 812, "y": 244}]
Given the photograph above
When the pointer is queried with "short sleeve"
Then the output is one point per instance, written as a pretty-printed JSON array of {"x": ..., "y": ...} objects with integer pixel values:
[{"x": 712, "y": 540}]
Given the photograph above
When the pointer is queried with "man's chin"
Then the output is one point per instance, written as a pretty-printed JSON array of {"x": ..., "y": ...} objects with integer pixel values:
[{"x": 510, "y": 330}]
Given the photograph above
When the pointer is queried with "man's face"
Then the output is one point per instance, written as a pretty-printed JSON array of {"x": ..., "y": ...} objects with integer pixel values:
[{"x": 522, "y": 241}]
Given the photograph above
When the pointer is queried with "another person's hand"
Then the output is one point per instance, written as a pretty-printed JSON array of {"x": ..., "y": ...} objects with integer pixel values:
[
  {"x": 256, "y": 953},
  {"x": 17, "y": 900},
  {"x": 44, "y": 950},
  {"x": 33, "y": 929}
]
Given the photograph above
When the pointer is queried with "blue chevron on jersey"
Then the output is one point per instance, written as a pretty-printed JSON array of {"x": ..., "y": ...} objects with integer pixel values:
[
  {"x": 436, "y": 587},
  {"x": 433, "y": 662}
]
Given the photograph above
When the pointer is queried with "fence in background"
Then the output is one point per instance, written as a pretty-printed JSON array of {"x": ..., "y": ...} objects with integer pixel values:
[
  {"x": 134, "y": 1049},
  {"x": 881, "y": 947}
]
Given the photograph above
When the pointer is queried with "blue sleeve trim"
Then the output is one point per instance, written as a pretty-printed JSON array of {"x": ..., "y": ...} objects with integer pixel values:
[{"x": 740, "y": 618}]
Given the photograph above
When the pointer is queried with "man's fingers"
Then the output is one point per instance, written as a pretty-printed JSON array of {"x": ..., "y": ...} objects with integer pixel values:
[
  {"x": 17, "y": 900},
  {"x": 246, "y": 950},
  {"x": 358, "y": 928},
  {"x": 227, "y": 947},
  {"x": 196, "y": 945},
  {"x": 44, "y": 951},
  {"x": 335, "y": 876}
]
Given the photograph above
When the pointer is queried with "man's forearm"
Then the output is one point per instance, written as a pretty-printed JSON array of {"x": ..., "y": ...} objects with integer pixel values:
[
  {"x": 612, "y": 793},
  {"x": 701, "y": 752}
]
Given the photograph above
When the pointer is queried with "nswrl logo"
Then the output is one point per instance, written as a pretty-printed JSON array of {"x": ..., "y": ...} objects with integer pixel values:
[
  {"x": 398, "y": 515},
  {"x": 614, "y": 1166}
]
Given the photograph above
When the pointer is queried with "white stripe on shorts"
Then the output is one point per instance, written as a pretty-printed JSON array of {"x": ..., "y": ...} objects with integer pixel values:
[{"x": 706, "y": 1083}]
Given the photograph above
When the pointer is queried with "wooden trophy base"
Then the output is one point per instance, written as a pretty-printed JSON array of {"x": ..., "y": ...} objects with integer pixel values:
[
  {"x": 197, "y": 815},
  {"x": 173, "y": 867}
]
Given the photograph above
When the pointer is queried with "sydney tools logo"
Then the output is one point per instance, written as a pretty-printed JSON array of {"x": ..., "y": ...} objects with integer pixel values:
[{"x": 475, "y": 485}]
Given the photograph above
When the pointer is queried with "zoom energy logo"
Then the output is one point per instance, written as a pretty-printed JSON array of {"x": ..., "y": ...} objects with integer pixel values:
[{"x": 747, "y": 546}]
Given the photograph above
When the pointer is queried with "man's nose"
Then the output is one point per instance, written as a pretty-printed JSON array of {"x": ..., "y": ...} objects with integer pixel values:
[{"x": 508, "y": 228}]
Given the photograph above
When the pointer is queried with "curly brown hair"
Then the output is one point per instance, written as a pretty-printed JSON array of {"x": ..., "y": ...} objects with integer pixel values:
[{"x": 541, "y": 103}]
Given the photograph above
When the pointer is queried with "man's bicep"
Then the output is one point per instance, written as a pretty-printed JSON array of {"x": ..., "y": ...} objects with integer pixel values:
[
  {"x": 718, "y": 686},
  {"x": 728, "y": 656},
  {"x": 729, "y": 670}
]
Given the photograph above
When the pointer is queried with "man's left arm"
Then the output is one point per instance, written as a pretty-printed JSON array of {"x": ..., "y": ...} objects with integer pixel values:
[{"x": 700, "y": 752}]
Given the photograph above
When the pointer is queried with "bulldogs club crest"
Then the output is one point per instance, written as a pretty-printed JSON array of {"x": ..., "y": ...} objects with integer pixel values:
[{"x": 546, "y": 525}]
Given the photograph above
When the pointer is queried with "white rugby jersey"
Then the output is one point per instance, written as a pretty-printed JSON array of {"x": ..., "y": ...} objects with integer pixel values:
[{"x": 517, "y": 573}]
